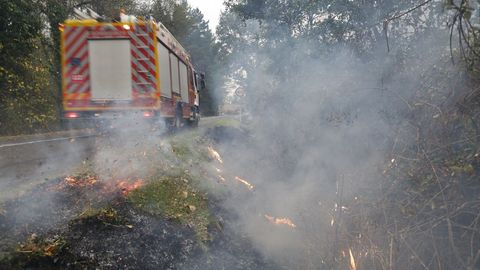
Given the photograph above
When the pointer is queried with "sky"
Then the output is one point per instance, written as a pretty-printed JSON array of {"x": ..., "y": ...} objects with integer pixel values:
[{"x": 211, "y": 10}]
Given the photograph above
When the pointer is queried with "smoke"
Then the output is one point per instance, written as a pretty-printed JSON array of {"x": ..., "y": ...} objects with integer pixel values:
[
  {"x": 323, "y": 130},
  {"x": 24, "y": 164},
  {"x": 131, "y": 146},
  {"x": 123, "y": 149},
  {"x": 322, "y": 133}
]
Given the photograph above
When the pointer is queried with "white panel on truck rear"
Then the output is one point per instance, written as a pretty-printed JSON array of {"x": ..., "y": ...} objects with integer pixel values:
[
  {"x": 175, "y": 77},
  {"x": 110, "y": 69},
  {"x": 164, "y": 66},
  {"x": 183, "y": 81}
]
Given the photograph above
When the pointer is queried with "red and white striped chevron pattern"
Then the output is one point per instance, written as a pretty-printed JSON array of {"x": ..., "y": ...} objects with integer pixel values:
[
  {"x": 76, "y": 61},
  {"x": 143, "y": 60},
  {"x": 76, "y": 65}
]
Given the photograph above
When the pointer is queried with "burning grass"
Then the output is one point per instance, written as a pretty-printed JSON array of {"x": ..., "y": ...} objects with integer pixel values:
[
  {"x": 80, "y": 181},
  {"x": 127, "y": 187},
  {"x": 215, "y": 155},
  {"x": 245, "y": 182},
  {"x": 36, "y": 251},
  {"x": 281, "y": 221},
  {"x": 35, "y": 246},
  {"x": 174, "y": 197},
  {"x": 353, "y": 265}
]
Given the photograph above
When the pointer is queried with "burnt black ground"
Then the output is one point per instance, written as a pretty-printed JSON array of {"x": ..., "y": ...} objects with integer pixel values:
[
  {"x": 138, "y": 242},
  {"x": 134, "y": 241}
]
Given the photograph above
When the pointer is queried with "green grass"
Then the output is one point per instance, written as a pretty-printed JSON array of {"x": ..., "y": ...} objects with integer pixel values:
[
  {"x": 189, "y": 149},
  {"x": 107, "y": 215},
  {"x": 227, "y": 122},
  {"x": 175, "y": 198},
  {"x": 180, "y": 150}
]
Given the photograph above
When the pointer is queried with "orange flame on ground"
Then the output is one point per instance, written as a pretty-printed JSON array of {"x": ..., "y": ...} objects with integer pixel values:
[
  {"x": 80, "y": 182},
  {"x": 249, "y": 186},
  {"x": 353, "y": 265},
  {"x": 126, "y": 187},
  {"x": 281, "y": 221},
  {"x": 214, "y": 154}
]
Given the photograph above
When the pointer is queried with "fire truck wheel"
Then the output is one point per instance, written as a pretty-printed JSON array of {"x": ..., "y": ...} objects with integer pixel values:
[
  {"x": 67, "y": 124},
  {"x": 194, "y": 122},
  {"x": 178, "y": 121},
  {"x": 170, "y": 124}
]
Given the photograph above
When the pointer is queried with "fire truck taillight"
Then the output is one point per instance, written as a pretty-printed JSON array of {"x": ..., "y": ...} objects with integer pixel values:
[
  {"x": 72, "y": 115},
  {"x": 147, "y": 114}
]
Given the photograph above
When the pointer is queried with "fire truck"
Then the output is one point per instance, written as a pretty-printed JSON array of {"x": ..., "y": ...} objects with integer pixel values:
[{"x": 126, "y": 66}]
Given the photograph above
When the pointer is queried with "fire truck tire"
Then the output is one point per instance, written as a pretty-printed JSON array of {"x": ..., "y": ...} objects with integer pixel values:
[
  {"x": 67, "y": 124},
  {"x": 169, "y": 124},
  {"x": 194, "y": 122},
  {"x": 178, "y": 121}
]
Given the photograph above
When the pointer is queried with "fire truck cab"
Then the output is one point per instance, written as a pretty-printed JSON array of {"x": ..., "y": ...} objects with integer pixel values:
[{"x": 127, "y": 66}]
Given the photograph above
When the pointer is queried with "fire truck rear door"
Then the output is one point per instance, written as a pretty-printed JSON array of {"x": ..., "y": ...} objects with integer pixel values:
[{"x": 110, "y": 69}]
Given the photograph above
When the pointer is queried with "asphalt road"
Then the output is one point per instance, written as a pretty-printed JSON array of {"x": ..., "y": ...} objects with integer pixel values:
[{"x": 29, "y": 160}]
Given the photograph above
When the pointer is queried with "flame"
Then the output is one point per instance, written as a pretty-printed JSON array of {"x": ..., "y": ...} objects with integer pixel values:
[
  {"x": 245, "y": 182},
  {"x": 80, "y": 182},
  {"x": 281, "y": 221},
  {"x": 353, "y": 266},
  {"x": 126, "y": 187},
  {"x": 214, "y": 154}
]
